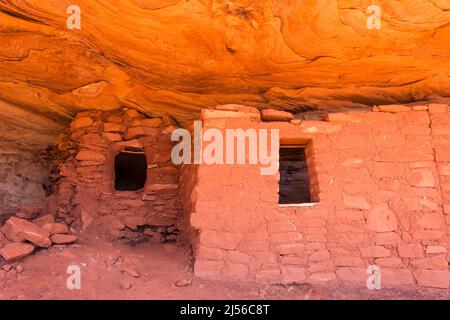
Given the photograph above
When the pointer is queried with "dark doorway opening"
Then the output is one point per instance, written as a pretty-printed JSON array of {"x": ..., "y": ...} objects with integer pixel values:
[
  {"x": 294, "y": 177},
  {"x": 131, "y": 171}
]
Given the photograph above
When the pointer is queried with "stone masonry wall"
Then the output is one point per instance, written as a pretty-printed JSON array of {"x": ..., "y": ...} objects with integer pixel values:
[
  {"x": 86, "y": 197},
  {"x": 187, "y": 200},
  {"x": 381, "y": 181}
]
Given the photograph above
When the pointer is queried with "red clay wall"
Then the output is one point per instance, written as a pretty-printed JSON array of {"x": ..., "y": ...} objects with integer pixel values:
[{"x": 383, "y": 184}]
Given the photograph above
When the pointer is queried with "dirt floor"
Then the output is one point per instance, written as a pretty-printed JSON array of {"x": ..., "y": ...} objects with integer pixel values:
[{"x": 156, "y": 271}]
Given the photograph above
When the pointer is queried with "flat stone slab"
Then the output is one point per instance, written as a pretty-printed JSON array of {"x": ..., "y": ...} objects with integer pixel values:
[
  {"x": 63, "y": 239},
  {"x": 15, "y": 251},
  {"x": 19, "y": 230}
]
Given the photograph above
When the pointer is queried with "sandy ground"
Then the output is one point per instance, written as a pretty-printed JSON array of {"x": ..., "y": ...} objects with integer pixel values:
[{"x": 156, "y": 271}]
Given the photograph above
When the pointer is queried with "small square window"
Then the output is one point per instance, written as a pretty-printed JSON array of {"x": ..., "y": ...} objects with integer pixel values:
[
  {"x": 294, "y": 186},
  {"x": 130, "y": 171}
]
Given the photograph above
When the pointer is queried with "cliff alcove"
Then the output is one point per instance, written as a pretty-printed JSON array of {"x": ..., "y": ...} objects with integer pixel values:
[{"x": 88, "y": 108}]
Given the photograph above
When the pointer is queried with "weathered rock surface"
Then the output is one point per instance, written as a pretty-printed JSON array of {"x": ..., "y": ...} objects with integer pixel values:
[
  {"x": 3, "y": 240},
  {"x": 23, "y": 171},
  {"x": 55, "y": 228},
  {"x": 15, "y": 251},
  {"x": 30, "y": 211},
  {"x": 19, "y": 230},
  {"x": 178, "y": 57},
  {"x": 43, "y": 220},
  {"x": 63, "y": 239}
]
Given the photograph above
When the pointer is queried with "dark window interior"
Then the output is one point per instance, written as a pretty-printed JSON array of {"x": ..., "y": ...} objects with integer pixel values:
[
  {"x": 131, "y": 171},
  {"x": 294, "y": 178}
]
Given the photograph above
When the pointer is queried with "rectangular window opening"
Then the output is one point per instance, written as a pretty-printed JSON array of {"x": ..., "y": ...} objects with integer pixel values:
[
  {"x": 130, "y": 171},
  {"x": 294, "y": 186}
]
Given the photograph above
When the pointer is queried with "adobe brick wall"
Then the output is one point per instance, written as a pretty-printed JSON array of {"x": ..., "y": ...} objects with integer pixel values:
[
  {"x": 86, "y": 197},
  {"x": 382, "y": 181}
]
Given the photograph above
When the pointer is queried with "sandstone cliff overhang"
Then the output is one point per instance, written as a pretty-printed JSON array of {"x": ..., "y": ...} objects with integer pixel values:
[{"x": 177, "y": 57}]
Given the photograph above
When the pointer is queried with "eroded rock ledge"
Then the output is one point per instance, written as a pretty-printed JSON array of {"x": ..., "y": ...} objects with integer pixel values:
[{"x": 180, "y": 56}]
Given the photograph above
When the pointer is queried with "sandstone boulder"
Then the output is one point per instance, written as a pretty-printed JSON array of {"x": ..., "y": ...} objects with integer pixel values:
[
  {"x": 15, "y": 251},
  {"x": 56, "y": 228},
  {"x": 63, "y": 239},
  {"x": 19, "y": 230},
  {"x": 43, "y": 220}
]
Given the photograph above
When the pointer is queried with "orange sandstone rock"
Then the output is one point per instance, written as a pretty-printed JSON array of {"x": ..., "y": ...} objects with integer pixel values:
[
  {"x": 15, "y": 251},
  {"x": 19, "y": 230},
  {"x": 63, "y": 239}
]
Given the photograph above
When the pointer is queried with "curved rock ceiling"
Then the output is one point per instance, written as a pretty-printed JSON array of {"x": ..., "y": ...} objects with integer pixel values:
[{"x": 178, "y": 56}]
